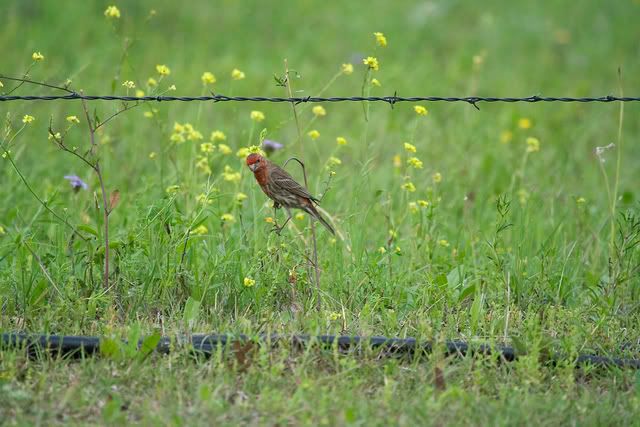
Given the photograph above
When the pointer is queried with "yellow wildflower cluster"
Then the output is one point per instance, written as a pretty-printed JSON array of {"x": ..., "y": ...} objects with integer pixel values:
[
  {"x": 437, "y": 178},
  {"x": 203, "y": 199},
  {"x": 299, "y": 216},
  {"x": 200, "y": 230},
  {"x": 381, "y": 40},
  {"x": 375, "y": 82},
  {"x": 27, "y": 119},
  {"x": 524, "y": 123},
  {"x": 242, "y": 153},
  {"x": 183, "y": 132},
  {"x": 37, "y": 56},
  {"x": 409, "y": 148},
  {"x": 230, "y": 175},
  {"x": 313, "y": 134},
  {"x": 248, "y": 282},
  {"x": 172, "y": 189},
  {"x": 208, "y": 78},
  {"x": 533, "y": 145},
  {"x": 371, "y": 62},
  {"x": 207, "y": 147},
  {"x": 129, "y": 84},
  {"x": 414, "y": 162},
  {"x": 341, "y": 140},
  {"x": 217, "y": 135},
  {"x": 163, "y": 70},
  {"x": 227, "y": 217},
  {"x": 319, "y": 111},
  {"x": 237, "y": 74},
  {"x": 408, "y": 186},
  {"x": 420, "y": 110},
  {"x": 202, "y": 164},
  {"x": 112, "y": 12},
  {"x": 333, "y": 161},
  {"x": 333, "y": 316},
  {"x": 257, "y": 116},
  {"x": 151, "y": 82},
  {"x": 506, "y": 136},
  {"x": 347, "y": 69},
  {"x": 73, "y": 119},
  {"x": 240, "y": 197},
  {"x": 224, "y": 149},
  {"x": 444, "y": 243}
]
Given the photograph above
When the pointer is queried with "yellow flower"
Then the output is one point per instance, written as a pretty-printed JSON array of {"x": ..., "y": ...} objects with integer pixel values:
[
  {"x": 506, "y": 136},
  {"x": 268, "y": 220},
  {"x": 372, "y": 63},
  {"x": 523, "y": 196},
  {"x": 194, "y": 135},
  {"x": 333, "y": 316},
  {"x": 55, "y": 136},
  {"x": 243, "y": 152},
  {"x": 207, "y": 147},
  {"x": 341, "y": 140},
  {"x": 27, "y": 119},
  {"x": 420, "y": 110},
  {"x": 414, "y": 162},
  {"x": 2, "y": 230},
  {"x": 177, "y": 127},
  {"x": 436, "y": 177},
  {"x": 347, "y": 69},
  {"x": 237, "y": 74},
  {"x": 208, "y": 78},
  {"x": 217, "y": 135},
  {"x": 153, "y": 155},
  {"x": 5, "y": 154},
  {"x": 313, "y": 134},
  {"x": 533, "y": 145},
  {"x": 319, "y": 111},
  {"x": 581, "y": 200},
  {"x": 202, "y": 198},
  {"x": 382, "y": 250},
  {"x": 148, "y": 114},
  {"x": 163, "y": 70},
  {"x": 443, "y": 243},
  {"x": 524, "y": 123},
  {"x": 408, "y": 186},
  {"x": 200, "y": 230},
  {"x": 413, "y": 207},
  {"x": 256, "y": 149},
  {"x": 172, "y": 87},
  {"x": 227, "y": 218},
  {"x": 410, "y": 148},
  {"x": 381, "y": 40},
  {"x": 375, "y": 82},
  {"x": 73, "y": 119},
  {"x": 37, "y": 56},
  {"x": 178, "y": 138},
  {"x": 172, "y": 189},
  {"x": 224, "y": 149},
  {"x": 397, "y": 161},
  {"x": 423, "y": 203},
  {"x": 299, "y": 216},
  {"x": 129, "y": 84},
  {"x": 203, "y": 165},
  {"x": 230, "y": 175},
  {"x": 151, "y": 82},
  {"x": 240, "y": 197},
  {"x": 112, "y": 12},
  {"x": 257, "y": 116},
  {"x": 249, "y": 282},
  {"x": 398, "y": 250},
  {"x": 334, "y": 161},
  {"x": 393, "y": 233}
]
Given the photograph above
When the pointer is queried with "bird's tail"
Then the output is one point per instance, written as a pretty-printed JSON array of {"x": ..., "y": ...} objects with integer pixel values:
[{"x": 314, "y": 212}]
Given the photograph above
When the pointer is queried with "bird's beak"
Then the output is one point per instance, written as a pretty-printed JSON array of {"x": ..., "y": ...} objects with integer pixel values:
[{"x": 253, "y": 167}]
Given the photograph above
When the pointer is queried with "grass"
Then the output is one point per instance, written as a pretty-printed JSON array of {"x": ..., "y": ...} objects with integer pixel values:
[{"x": 513, "y": 245}]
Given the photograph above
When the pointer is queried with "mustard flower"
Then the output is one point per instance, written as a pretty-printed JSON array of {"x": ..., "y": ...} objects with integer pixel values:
[
  {"x": 375, "y": 82},
  {"x": 237, "y": 74},
  {"x": 269, "y": 220},
  {"x": 414, "y": 162},
  {"x": 224, "y": 149},
  {"x": 240, "y": 197},
  {"x": 436, "y": 177},
  {"x": 248, "y": 282},
  {"x": 393, "y": 233},
  {"x": 372, "y": 63},
  {"x": 420, "y": 110},
  {"x": 153, "y": 155},
  {"x": 227, "y": 217},
  {"x": 177, "y": 127},
  {"x": 207, "y": 147},
  {"x": 334, "y": 161},
  {"x": 148, "y": 114},
  {"x": 172, "y": 189},
  {"x": 151, "y": 82},
  {"x": 242, "y": 152},
  {"x": 27, "y": 119},
  {"x": 230, "y": 175},
  {"x": 177, "y": 138},
  {"x": 408, "y": 186},
  {"x": 139, "y": 93},
  {"x": 524, "y": 123},
  {"x": 203, "y": 165},
  {"x": 381, "y": 250},
  {"x": 55, "y": 136},
  {"x": 200, "y": 230},
  {"x": 163, "y": 70},
  {"x": 398, "y": 250},
  {"x": 208, "y": 78},
  {"x": 341, "y": 140},
  {"x": 423, "y": 203},
  {"x": 255, "y": 149},
  {"x": 313, "y": 134},
  {"x": 581, "y": 200},
  {"x": 172, "y": 87},
  {"x": 129, "y": 84},
  {"x": 37, "y": 56},
  {"x": 533, "y": 145},
  {"x": 506, "y": 136},
  {"x": 299, "y": 216},
  {"x": 413, "y": 207},
  {"x": 397, "y": 161},
  {"x": 346, "y": 69},
  {"x": 443, "y": 243},
  {"x": 257, "y": 116},
  {"x": 73, "y": 119},
  {"x": 333, "y": 316},
  {"x": 319, "y": 111},
  {"x": 112, "y": 12},
  {"x": 203, "y": 199},
  {"x": 381, "y": 40},
  {"x": 217, "y": 135},
  {"x": 194, "y": 135},
  {"x": 409, "y": 148}
]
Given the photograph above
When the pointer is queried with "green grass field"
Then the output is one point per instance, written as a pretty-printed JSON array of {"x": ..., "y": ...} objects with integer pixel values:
[{"x": 503, "y": 225}]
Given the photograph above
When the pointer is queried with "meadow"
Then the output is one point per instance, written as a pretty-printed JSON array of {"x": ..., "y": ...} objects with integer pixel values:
[{"x": 513, "y": 224}]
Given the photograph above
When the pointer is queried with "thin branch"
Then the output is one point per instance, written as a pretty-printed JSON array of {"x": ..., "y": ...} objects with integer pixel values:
[{"x": 33, "y": 82}]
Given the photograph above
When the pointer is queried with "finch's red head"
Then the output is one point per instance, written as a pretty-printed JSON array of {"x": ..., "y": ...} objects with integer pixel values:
[{"x": 255, "y": 161}]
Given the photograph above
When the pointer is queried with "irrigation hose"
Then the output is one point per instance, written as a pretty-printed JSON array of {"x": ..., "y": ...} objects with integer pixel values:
[{"x": 80, "y": 346}]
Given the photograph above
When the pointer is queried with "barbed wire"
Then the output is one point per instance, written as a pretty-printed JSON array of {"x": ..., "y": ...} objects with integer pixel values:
[{"x": 391, "y": 100}]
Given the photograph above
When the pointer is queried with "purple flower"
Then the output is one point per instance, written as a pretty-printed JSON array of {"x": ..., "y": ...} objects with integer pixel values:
[
  {"x": 270, "y": 146},
  {"x": 76, "y": 182}
]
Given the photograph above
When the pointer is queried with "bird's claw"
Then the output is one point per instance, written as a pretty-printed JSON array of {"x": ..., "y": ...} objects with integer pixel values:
[{"x": 276, "y": 229}]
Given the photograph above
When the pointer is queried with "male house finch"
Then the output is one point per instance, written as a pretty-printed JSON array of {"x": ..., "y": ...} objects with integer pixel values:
[{"x": 280, "y": 187}]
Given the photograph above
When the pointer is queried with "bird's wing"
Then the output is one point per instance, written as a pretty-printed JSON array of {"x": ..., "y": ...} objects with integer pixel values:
[{"x": 281, "y": 178}]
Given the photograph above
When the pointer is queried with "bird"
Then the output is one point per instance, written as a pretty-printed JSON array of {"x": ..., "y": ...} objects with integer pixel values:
[{"x": 280, "y": 187}]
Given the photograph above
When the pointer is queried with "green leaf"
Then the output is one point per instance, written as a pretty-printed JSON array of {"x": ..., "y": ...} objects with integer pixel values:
[
  {"x": 148, "y": 345},
  {"x": 88, "y": 229},
  {"x": 110, "y": 348},
  {"x": 191, "y": 312}
]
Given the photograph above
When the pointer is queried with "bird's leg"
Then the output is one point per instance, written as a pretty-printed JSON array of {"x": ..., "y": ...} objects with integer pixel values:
[{"x": 278, "y": 229}]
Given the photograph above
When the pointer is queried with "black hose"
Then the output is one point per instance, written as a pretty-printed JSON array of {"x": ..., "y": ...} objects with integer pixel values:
[{"x": 78, "y": 346}]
